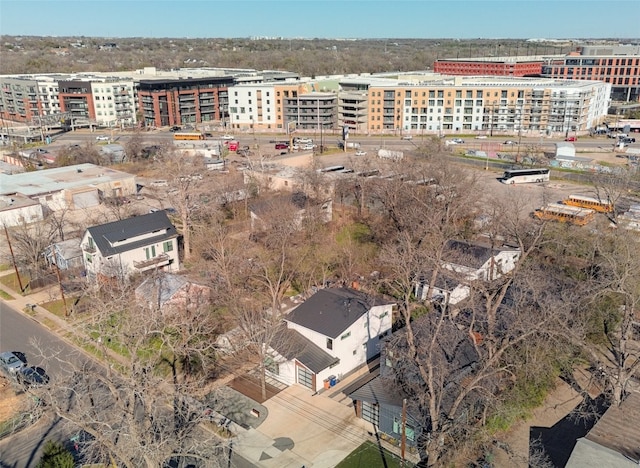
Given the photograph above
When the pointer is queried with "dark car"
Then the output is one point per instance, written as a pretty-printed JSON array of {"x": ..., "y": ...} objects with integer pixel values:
[
  {"x": 175, "y": 128},
  {"x": 280, "y": 146},
  {"x": 628, "y": 140},
  {"x": 32, "y": 376},
  {"x": 571, "y": 138}
]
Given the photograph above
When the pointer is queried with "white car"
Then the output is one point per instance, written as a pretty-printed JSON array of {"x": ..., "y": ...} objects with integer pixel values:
[
  {"x": 308, "y": 147},
  {"x": 481, "y": 137},
  {"x": 102, "y": 138},
  {"x": 407, "y": 137},
  {"x": 227, "y": 137},
  {"x": 304, "y": 141},
  {"x": 361, "y": 153}
]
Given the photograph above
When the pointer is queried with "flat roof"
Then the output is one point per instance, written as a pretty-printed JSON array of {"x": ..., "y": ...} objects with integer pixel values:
[{"x": 59, "y": 178}]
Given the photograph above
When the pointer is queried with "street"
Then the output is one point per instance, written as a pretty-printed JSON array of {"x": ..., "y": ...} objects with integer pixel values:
[{"x": 19, "y": 333}]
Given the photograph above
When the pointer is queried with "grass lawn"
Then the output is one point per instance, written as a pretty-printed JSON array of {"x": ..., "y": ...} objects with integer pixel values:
[
  {"x": 368, "y": 455},
  {"x": 11, "y": 281},
  {"x": 6, "y": 296}
]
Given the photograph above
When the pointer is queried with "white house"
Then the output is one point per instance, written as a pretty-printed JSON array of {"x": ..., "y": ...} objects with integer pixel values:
[
  {"x": 330, "y": 334},
  {"x": 137, "y": 244},
  {"x": 465, "y": 263}
]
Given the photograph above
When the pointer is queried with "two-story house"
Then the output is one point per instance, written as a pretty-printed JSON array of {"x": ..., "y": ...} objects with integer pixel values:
[
  {"x": 137, "y": 244},
  {"x": 463, "y": 264},
  {"x": 330, "y": 334}
]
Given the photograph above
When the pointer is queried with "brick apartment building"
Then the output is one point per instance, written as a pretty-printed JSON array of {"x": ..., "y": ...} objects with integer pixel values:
[
  {"x": 490, "y": 66},
  {"x": 184, "y": 101},
  {"x": 617, "y": 65}
]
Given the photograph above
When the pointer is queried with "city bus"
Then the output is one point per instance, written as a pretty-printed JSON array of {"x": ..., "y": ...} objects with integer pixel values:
[
  {"x": 188, "y": 136},
  {"x": 565, "y": 214},
  {"x": 596, "y": 204},
  {"x": 523, "y": 176}
]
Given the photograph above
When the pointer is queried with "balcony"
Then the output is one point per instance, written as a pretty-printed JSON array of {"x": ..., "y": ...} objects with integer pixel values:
[
  {"x": 160, "y": 260},
  {"x": 89, "y": 248}
]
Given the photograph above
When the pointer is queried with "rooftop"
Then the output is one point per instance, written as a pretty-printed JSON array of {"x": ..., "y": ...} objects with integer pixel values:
[
  {"x": 59, "y": 178},
  {"x": 331, "y": 311},
  {"x": 106, "y": 235}
]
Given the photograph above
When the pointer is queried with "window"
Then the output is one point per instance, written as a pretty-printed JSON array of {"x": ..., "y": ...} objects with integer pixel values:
[
  {"x": 345, "y": 336},
  {"x": 167, "y": 246},
  {"x": 409, "y": 431},
  {"x": 371, "y": 413},
  {"x": 89, "y": 258},
  {"x": 329, "y": 343},
  {"x": 271, "y": 365}
]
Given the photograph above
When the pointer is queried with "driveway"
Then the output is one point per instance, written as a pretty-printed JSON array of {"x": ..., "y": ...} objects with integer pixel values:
[{"x": 302, "y": 429}]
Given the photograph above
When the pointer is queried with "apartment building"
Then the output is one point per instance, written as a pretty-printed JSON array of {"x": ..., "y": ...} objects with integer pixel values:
[
  {"x": 492, "y": 66},
  {"x": 114, "y": 102},
  {"x": 311, "y": 111},
  {"x": 486, "y": 104},
  {"x": 20, "y": 100},
  {"x": 182, "y": 101},
  {"x": 618, "y": 65},
  {"x": 253, "y": 106}
]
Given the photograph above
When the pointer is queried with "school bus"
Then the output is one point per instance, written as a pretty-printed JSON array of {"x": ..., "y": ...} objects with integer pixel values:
[
  {"x": 582, "y": 201},
  {"x": 565, "y": 214},
  {"x": 188, "y": 136}
]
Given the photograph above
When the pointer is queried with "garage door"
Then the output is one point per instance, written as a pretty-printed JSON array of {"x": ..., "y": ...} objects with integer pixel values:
[
  {"x": 305, "y": 377},
  {"x": 85, "y": 199}
]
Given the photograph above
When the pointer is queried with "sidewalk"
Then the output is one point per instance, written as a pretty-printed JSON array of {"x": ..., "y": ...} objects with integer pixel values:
[{"x": 30, "y": 304}]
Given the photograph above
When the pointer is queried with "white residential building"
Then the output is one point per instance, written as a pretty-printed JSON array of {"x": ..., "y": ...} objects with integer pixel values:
[
  {"x": 332, "y": 333},
  {"x": 114, "y": 102},
  {"x": 465, "y": 263},
  {"x": 252, "y": 106},
  {"x": 138, "y": 244}
]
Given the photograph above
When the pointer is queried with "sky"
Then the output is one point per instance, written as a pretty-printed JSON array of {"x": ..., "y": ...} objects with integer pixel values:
[{"x": 463, "y": 19}]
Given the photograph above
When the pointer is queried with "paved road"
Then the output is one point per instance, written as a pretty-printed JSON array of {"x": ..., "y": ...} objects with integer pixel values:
[{"x": 19, "y": 333}]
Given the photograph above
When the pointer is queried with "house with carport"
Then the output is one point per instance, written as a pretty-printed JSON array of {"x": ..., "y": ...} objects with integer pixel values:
[{"x": 332, "y": 333}]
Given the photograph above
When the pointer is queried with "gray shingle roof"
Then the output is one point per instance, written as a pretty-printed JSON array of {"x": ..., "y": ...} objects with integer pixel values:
[
  {"x": 374, "y": 389},
  {"x": 619, "y": 428},
  {"x": 292, "y": 345},
  {"x": 160, "y": 289},
  {"x": 332, "y": 311},
  {"x": 104, "y": 235}
]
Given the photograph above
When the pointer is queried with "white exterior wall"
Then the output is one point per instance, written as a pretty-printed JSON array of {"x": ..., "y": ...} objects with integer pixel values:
[
  {"x": 286, "y": 370},
  {"x": 107, "y": 102},
  {"x": 48, "y": 90},
  {"x": 351, "y": 350},
  {"x": 244, "y": 105},
  {"x": 19, "y": 215},
  {"x": 54, "y": 201},
  {"x": 123, "y": 263}
]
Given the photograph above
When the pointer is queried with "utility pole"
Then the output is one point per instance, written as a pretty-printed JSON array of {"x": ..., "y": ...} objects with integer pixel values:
[
  {"x": 403, "y": 444},
  {"x": 64, "y": 301},
  {"x": 13, "y": 258}
]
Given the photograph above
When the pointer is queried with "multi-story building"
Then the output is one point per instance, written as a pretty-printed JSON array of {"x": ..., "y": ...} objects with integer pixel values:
[
  {"x": 353, "y": 105},
  {"x": 617, "y": 65},
  {"x": 19, "y": 100},
  {"x": 114, "y": 102},
  {"x": 253, "y": 106},
  {"x": 184, "y": 101},
  {"x": 491, "y": 66},
  {"x": 485, "y": 104},
  {"x": 311, "y": 111},
  {"x": 76, "y": 98}
]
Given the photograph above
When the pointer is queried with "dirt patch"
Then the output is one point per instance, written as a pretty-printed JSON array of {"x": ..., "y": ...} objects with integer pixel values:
[
  {"x": 558, "y": 404},
  {"x": 10, "y": 402}
]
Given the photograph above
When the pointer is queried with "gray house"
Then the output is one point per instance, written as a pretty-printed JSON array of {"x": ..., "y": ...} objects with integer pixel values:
[{"x": 66, "y": 254}]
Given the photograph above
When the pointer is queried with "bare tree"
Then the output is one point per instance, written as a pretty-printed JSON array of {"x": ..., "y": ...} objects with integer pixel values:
[{"x": 134, "y": 416}]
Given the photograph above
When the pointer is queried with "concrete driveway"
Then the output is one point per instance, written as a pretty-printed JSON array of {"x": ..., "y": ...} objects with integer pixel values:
[{"x": 302, "y": 430}]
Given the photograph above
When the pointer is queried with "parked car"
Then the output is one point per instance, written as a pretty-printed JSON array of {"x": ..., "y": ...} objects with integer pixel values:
[
  {"x": 308, "y": 147},
  {"x": 303, "y": 141},
  {"x": 10, "y": 362},
  {"x": 227, "y": 137},
  {"x": 571, "y": 139},
  {"x": 361, "y": 153},
  {"x": 280, "y": 146},
  {"x": 455, "y": 141},
  {"x": 175, "y": 128},
  {"x": 42, "y": 151},
  {"x": 102, "y": 138},
  {"x": 32, "y": 376},
  {"x": 628, "y": 140},
  {"x": 407, "y": 137},
  {"x": 159, "y": 183},
  {"x": 510, "y": 142}
]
